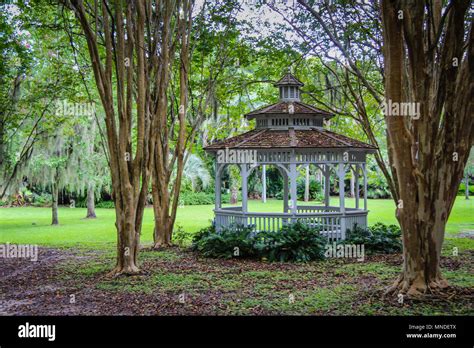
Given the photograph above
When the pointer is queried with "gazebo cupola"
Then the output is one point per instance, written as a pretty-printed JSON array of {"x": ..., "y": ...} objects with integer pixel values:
[
  {"x": 290, "y": 136},
  {"x": 289, "y": 112},
  {"x": 289, "y": 88}
]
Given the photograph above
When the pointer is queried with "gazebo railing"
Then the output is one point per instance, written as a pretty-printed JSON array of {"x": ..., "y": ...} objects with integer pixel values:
[
  {"x": 319, "y": 209},
  {"x": 333, "y": 224},
  {"x": 316, "y": 209}
]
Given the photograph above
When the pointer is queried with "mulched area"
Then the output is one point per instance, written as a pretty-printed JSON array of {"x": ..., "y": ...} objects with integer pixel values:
[{"x": 181, "y": 283}]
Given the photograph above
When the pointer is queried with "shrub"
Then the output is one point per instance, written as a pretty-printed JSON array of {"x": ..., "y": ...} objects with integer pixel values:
[
  {"x": 235, "y": 241},
  {"x": 314, "y": 189},
  {"x": 181, "y": 236},
  {"x": 296, "y": 242},
  {"x": 42, "y": 200},
  {"x": 274, "y": 182},
  {"x": 28, "y": 196},
  {"x": 377, "y": 185},
  {"x": 200, "y": 198},
  {"x": 378, "y": 239},
  {"x": 196, "y": 198},
  {"x": 105, "y": 204},
  {"x": 378, "y": 193},
  {"x": 462, "y": 189},
  {"x": 80, "y": 202}
]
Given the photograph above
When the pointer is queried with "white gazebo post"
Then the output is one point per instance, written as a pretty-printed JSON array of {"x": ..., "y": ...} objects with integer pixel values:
[
  {"x": 264, "y": 184},
  {"x": 320, "y": 179},
  {"x": 218, "y": 186},
  {"x": 306, "y": 184},
  {"x": 357, "y": 193},
  {"x": 285, "y": 192},
  {"x": 293, "y": 193},
  {"x": 327, "y": 184},
  {"x": 244, "y": 172},
  {"x": 364, "y": 168},
  {"x": 342, "y": 207}
]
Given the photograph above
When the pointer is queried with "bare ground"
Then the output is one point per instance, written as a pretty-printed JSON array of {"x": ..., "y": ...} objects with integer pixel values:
[{"x": 176, "y": 282}]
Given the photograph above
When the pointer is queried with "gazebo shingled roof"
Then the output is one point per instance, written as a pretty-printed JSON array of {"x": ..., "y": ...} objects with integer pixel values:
[
  {"x": 282, "y": 107},
  {"x": 267, "y": 138},
  {"x": 289, "y": 80}
]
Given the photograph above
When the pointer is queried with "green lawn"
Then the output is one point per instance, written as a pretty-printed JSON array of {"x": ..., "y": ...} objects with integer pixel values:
[
  {"x": 32, "y": 225},
  {"x": 84, "y": 251}
]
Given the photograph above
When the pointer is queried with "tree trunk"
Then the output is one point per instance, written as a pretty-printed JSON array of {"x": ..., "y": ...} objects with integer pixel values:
[
  {"x": 427, "y": 153},
  {"x": 421, "y": 253},
  {"x": 128, "y": 242},
  {"x": 306, "y": 185},
  {"x": 162, "y": 235},
  {"x": 123, "y": 69},
  {"x": 2, "y": 149},
  {"x": 90, "y": 202},
  {"x": 161, "y": 210},
  {"x": 54, "y": 206},
  {"x": 166, "y": 198},
  {"x": 234, "y": 195}
]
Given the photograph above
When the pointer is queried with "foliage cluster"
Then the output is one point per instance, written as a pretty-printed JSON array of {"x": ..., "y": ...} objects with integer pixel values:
[
  {"x": 377, "y": 239},
  {"x": 294, "y": 242},
  {"x": 201, "y": 198}
]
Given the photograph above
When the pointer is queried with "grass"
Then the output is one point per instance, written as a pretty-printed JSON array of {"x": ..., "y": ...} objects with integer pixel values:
[
  {"x": 381, "y": 270},
  {"x": 33, "y": 225},
  {"x": 236, "y": 287},
  {"x": 331, "y": 287}
]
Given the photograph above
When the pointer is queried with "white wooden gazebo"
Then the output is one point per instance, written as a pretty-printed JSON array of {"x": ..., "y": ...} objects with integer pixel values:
[{"x": 291, "y": 134}]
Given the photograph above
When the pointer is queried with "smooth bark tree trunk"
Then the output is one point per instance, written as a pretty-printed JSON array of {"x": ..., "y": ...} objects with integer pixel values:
[
  {"x": 54, "y": 206},
  {"x": 125, "y": 74},
  {"x": 128, "y": 240},
  {"x": 162, "y": 234},
  {"x": 306, "y": 185},
  {"x": 234, "y": 195},
  {"x": 2, "y": 149},
  {"x": 427, "y": 153},
  {"x": 166, "y": 159},
  {"x": 90, "y": 202},
  {"x": 163, "y": 225}
]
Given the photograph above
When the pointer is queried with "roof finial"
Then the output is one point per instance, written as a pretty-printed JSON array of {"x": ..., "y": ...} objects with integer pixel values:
[{"x": 289, "y": 69}]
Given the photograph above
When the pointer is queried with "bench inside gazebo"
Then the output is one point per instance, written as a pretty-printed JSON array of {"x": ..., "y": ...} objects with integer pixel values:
[{"x": 290, "y": 134}]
